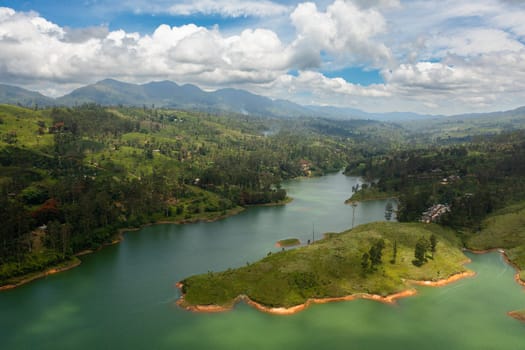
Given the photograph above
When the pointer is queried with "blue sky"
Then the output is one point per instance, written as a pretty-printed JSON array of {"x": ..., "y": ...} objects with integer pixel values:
[{"x": 377, "y": 55}]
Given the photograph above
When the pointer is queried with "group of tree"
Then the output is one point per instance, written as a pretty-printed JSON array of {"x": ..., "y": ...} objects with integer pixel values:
[
  {"x": 423, "y": 246},
  {"x": 374, "y": 257}
]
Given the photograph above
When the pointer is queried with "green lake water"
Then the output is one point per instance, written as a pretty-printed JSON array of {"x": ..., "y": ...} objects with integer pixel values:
[{"x": 123, "y": 297}]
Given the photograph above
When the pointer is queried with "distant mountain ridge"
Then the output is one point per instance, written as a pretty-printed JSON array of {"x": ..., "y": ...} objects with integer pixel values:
[
  {"x": 15, "y": 95},
  {"x": 170, "y": 94},
  {"x": 111, "y": 92}
]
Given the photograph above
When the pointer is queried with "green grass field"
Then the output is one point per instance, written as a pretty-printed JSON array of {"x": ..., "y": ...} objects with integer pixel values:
[
  {"x": 20, "y": 126},
  {"x": 331, "y": 268}
]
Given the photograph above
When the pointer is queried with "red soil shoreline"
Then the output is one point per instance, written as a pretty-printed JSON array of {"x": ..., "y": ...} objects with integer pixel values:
[{"x": 389, "y": 299}]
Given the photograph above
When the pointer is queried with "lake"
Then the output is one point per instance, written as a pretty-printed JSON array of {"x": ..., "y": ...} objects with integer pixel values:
[{"x": 124, "y": 296}]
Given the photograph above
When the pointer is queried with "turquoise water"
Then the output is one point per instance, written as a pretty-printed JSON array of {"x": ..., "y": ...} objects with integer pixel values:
[{"x": 124, "y": 296}]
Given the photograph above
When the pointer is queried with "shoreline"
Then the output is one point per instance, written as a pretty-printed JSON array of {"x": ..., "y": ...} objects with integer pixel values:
[
  {"x": 517, "y": 269},
  {"x": 443, "y": 282},
  {"x": 389, "y": 299},
  {"x": 118, "y": 237}
]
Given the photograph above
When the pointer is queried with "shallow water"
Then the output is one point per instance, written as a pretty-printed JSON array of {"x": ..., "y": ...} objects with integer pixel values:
[{"x": 124, "y": 296}]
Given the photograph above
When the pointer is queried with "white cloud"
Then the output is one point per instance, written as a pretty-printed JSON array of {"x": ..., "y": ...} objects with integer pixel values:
[
  {"x": 38, "y": 49},
  {"x": 474, "y": 41},
  {"x": 344, "y": 31},
  {"x": 449, "y": 56},
  {"x": 459, "y": 84},
  {"x": 512, "y": 21},
  {"x": 236, "y": 8}
]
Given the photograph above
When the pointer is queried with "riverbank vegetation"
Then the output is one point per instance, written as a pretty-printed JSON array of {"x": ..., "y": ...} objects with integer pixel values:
[
  {"x": 332, "y": 267},
  {"x": 70, "y": 178}
]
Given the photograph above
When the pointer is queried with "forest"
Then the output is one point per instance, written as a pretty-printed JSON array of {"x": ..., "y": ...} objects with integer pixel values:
[{"x": 474, "y": 178}]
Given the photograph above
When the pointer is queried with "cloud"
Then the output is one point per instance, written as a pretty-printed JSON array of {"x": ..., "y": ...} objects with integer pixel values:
[
  {"x": 459, "y": 84},
  {"x": 451, "y": 56},
  {"x": 475, "y": 41},
  {"x": 40, "y": 50},
  {"x": 344, "y": 31},
  {"x": 236, "y": 8}
]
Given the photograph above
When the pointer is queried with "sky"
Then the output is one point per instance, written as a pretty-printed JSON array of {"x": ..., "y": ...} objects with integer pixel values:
[{"x": 432, "y": 57}]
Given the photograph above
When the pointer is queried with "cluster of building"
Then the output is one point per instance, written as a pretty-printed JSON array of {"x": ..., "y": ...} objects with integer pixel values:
[
  {"x": 450, "y": 179},
  {"x": 434, "y": 213}
]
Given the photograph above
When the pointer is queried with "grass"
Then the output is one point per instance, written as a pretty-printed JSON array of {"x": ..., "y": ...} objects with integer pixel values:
[
  {"x": 21, "y": 124},
  {"x": 331, "y": 268},
  {"x": 504, "y": 229}
]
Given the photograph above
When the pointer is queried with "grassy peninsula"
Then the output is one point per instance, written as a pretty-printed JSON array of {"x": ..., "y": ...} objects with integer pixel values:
[
  {"x": 504, "y": 229},
  {"x": 332, "y": 267}
]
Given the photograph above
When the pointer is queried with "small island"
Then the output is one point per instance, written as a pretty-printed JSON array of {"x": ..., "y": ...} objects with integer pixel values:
[
  {"x": 519, "y": 315},
  {"x": 288, "y": 242},
  {"x": 378, "y": 261}
]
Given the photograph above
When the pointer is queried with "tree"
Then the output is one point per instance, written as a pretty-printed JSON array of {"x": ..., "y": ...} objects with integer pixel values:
[
  {"x": 433, "y": 244},
  {"x": 420, "y": 252},
  {"x": 376, "y": 253},
  {"x": 365, "y": 262},
  {"x": 394, "y": 253}
]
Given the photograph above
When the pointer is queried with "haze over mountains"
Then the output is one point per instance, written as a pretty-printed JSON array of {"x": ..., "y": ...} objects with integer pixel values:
[{"x": 190, "y": 97}]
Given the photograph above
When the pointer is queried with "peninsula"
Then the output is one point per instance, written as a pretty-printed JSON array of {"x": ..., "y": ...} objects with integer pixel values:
[{"x": 374, "y": 261}]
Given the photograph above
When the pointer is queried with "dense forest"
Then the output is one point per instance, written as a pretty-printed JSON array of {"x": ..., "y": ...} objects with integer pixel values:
[{"x": 474, "y": 179}]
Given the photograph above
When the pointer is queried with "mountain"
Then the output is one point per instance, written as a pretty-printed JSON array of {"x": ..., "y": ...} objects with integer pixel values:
[
  {"x": 190, "y": 97},
  {"x": 169, "y": 94},
  {"x": 15, "y": 95}
]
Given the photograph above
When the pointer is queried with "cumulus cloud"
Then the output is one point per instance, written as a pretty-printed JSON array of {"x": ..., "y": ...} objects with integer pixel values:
[
  {"x": 40, "y": 49},
  {"x": 344, "y": 31},
  {"x": 461, "y": 83},
  {"x": 32, "y": 47}
]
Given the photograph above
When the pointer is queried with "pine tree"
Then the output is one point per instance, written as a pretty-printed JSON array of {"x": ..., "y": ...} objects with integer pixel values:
[
  {"x": 420, "y": 252},
  {"x": 433, "y": 244},
  {"x": 394, "y": 253}
]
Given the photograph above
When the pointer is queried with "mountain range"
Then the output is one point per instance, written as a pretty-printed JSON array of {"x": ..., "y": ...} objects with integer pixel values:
[{"x": 190, "y": 97}]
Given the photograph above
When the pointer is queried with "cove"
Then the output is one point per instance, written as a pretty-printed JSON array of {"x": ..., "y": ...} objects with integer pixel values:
[{"x": 124, "y": 296}]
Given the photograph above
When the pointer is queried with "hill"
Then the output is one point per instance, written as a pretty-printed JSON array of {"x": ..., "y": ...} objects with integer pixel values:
[{"x": 18, "y": 96}]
